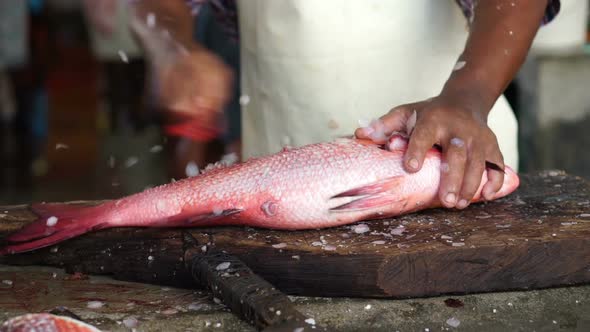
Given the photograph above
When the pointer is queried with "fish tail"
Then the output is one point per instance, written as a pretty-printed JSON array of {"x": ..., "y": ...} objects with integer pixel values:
[{"x": 56, "y": 223}]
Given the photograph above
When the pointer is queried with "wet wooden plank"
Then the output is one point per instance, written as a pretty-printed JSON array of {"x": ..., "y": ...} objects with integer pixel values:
[
  {"x": 41, "y": 289},
  {"x": 538, "y": 237}
]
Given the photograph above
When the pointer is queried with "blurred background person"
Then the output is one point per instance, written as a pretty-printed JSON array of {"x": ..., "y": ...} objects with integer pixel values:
[
  {"x": 196, "y": 92},
  {"x": 23, "y": 70},
  {"x": 121, "y": 64}
]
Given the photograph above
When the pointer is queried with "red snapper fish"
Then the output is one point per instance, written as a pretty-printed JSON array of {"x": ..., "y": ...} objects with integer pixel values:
[
  {"x": 314, "y": 186},
  {"x": 45, "y": 323}
]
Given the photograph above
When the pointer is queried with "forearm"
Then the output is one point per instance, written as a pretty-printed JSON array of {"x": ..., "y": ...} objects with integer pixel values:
[
  {"x": 500, "y": 36},
  {"x": 162, "y": 27}
]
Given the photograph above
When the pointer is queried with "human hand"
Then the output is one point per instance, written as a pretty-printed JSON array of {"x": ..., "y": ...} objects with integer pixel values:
[
  {"x": 194, "y": 83},
  {"x": 457, "y": 123},
  {"x": 102, "y": 15}
]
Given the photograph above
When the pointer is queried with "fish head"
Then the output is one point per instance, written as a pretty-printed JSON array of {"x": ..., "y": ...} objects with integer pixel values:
[{"x": 511, "y": 183}]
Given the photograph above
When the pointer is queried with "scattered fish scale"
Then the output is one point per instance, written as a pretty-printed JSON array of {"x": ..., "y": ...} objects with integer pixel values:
[
  {"x": 360, "y": 229},
  {"x": 329, "y": 247},
  {"x": 223, "y": 266},
  {"x": 131, "y": 161},
  {"x": 453, "y": 322},
  {"x": 156, "y": 148},
  {"x": 95, "y": 304},
  {"x": 130, "y": 322},
  {"x": 398, "y": 231}
]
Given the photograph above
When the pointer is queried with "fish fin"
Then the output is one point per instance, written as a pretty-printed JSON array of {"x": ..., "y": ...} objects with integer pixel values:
[
  {"x": 375, "y": 188},
  {"x": 371, "y": 196},
  {"x": 71, "y": 221},
  {"x": 369, "y": 202},
  {"x": 212, "y": 215}
]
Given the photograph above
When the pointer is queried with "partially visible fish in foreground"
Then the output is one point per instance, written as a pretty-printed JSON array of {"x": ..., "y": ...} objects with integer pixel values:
[
  {"x": 314, "y": 186},
  {"x": 45, "y": 323}
]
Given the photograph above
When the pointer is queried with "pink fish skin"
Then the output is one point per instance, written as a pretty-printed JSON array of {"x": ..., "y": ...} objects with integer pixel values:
[
  {"x": 314, "y": 186},
  {"x": 45, "y": 323}
]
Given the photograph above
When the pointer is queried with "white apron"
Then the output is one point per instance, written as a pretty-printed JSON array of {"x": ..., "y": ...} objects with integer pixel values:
[{"x": 312, "y": 69}]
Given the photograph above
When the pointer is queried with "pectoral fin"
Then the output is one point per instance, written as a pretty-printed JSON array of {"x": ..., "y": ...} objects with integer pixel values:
[
  {"x": 378, "y": 194},
  {"x": 378, "y": 187}
]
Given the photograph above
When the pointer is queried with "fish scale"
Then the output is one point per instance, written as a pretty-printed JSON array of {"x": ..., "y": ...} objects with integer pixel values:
[{"x": 314, "y": 186}]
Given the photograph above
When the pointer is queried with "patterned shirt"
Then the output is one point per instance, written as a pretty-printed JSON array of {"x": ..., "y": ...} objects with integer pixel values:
[
  {"x": 226, "y": 12},
  {"x": 468, "y": 8}
]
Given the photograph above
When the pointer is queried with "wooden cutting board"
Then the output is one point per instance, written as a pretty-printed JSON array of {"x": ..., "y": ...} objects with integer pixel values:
[{"x": 537, "y": 237}]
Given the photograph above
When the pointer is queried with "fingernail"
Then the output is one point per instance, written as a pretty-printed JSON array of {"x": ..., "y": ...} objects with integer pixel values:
[
  {"x": 450, "y": 198},
  {"x": 413, "y": 163},
  {"x": 462, "y": 204}
]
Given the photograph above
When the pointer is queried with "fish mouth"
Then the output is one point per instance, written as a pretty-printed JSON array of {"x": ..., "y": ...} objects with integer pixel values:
[{"x": 494, "y": 166}]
